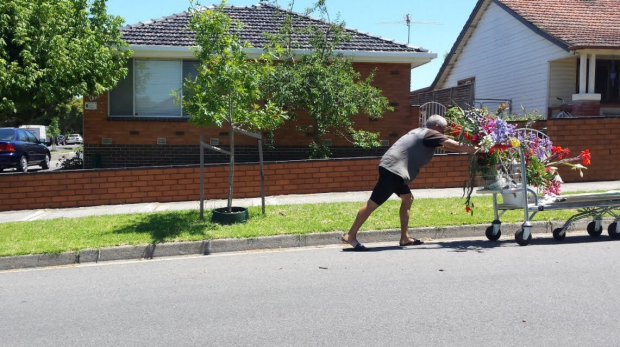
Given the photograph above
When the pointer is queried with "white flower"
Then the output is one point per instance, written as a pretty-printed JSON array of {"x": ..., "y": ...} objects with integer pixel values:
[{"x": 486, "y": 143}]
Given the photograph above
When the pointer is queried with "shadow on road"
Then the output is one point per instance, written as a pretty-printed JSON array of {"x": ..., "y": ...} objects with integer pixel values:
[{"x": 480, "y": 246}]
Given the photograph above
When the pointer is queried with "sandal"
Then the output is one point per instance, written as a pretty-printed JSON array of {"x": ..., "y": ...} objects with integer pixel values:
[
  {"x": 358, "y": 248},
  {"x": 412, "y": 242}
]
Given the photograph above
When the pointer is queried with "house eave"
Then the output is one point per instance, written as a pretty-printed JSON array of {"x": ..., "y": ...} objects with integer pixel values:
[
  {"x": 181, "y": 52},
  {"x": 595, "y": 49}
]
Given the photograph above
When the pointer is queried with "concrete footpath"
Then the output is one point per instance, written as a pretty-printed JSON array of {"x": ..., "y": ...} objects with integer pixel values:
[{"x": 274, "y": 242}]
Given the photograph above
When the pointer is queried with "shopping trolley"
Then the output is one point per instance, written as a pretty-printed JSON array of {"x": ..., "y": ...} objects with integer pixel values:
[{"x": 511, "y": 184}]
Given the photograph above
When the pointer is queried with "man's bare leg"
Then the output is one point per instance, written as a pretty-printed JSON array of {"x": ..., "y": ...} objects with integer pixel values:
[
  {"x": 405, "y": 207},
  {"x": 362, "y": 215}
]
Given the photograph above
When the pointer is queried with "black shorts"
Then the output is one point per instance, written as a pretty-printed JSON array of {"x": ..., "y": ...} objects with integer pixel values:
[{"x": 389, "y": 183}]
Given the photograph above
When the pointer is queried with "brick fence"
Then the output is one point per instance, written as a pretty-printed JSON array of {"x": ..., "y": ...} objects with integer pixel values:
[{"x": 181, "y": 183}]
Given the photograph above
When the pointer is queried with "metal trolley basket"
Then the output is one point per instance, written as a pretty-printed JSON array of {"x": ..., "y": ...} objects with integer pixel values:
[{"x": 511, "y": 184}]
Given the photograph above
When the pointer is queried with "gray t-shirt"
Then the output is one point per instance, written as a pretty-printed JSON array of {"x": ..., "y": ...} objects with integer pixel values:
[{"x": 412, "y": 151}]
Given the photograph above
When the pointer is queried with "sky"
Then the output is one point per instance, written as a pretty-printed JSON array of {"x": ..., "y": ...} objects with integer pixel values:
[{"x": 384, "y": 18}]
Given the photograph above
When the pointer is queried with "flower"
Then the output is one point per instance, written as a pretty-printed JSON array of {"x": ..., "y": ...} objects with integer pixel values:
[
  {"x": 498, "y": 143},
  {"x": 585, "y": 156}
]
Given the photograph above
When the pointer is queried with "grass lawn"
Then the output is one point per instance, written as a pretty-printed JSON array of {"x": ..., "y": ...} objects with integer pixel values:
[{"x": 73, "y": 234}]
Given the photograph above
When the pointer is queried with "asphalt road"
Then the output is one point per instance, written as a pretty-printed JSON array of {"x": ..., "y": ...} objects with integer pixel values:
[{"x": 448, "y": 293}]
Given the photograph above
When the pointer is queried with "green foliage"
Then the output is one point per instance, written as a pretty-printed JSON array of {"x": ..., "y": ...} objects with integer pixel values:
[
  {"x": 53, "y": 129},
  {"x": 227, "y": 88},
  {"x": 53, "y": 50},
  {"x": 321, "y": 82},
  {"x": 319, "y": 151},
  {"x": 73, "y": 162},
  {"x": 70, "y": 116}
]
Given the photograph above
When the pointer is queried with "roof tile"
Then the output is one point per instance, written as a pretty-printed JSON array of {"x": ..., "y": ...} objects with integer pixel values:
[
  {"x": 578, "y": 23},
  {"x": 256, "y": 19}
]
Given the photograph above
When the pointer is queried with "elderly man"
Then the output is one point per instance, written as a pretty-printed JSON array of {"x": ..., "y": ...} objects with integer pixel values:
[{"x": 398, "y": 167}]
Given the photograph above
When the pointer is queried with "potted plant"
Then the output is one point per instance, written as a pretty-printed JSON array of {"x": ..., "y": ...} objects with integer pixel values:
[{"x": 226, "y": 90}]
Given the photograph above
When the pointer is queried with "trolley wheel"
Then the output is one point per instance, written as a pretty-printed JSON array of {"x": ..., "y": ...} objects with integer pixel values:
[
  {"x": 557, "y": 234},
  {"x": 491, "y": 236},
  {"x": 594, "y": 232},
  {"x": 612, "y": 231},
  {"x": 520, "y": 240}
]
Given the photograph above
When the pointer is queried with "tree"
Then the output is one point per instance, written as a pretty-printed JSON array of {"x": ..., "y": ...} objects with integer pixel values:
[
  {"x": 70, "y": 116},
  {"x": 227, "y": 87},
  {"x": 54, "y": 131},
  {"x": 321, "y": 82},
  {"x": 54, "y": 50}
]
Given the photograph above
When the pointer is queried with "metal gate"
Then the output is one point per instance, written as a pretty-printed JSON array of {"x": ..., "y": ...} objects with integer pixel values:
[{"x": 428, "y": 109}]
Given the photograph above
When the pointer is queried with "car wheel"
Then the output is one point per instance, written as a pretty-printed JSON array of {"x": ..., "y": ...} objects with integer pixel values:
[
  {"x": 22, "y": 166},
  {"x": 46, "y": 163}
]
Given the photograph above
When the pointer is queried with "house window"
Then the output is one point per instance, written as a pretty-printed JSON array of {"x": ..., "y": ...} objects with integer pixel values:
[
  {"x": 466, "y": 81},
  {"x": 147, "y": 89}
]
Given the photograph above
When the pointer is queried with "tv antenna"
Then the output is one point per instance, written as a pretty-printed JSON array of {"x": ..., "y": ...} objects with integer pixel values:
[{"x": 408, "y": 20}]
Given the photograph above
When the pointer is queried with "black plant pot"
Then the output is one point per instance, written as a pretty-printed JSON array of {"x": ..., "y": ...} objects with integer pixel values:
[{"x": 237, "y": 215}]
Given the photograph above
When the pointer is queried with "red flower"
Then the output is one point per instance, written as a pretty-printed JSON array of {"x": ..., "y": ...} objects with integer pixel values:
[
  {"x": 467, "y": 209},
  {"x": 585, "y": 156}
]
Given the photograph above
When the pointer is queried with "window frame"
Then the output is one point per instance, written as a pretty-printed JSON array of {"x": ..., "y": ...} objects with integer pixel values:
[{"x": 133, "y": 116}]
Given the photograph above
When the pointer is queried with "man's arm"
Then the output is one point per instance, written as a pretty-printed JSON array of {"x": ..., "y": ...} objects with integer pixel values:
[{"x": 454, "y": 146}]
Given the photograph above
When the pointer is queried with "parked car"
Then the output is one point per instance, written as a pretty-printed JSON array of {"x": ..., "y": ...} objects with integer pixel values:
[
  {"x": 19, "y": 148},
  {"x": 60, "y": 140},
  {"x": 74, "y": 138}
]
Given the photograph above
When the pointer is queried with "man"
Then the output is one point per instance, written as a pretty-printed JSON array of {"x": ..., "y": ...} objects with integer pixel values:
[{"x": 398, "y": 167}]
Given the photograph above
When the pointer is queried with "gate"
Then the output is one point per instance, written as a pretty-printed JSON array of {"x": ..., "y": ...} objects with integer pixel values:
[{"x": 428, "y": 109}]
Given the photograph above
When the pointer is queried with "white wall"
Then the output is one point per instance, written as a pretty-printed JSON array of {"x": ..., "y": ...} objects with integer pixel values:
[
  {"x": 562, "y": 80},
  {"x": 508, "y": 60}
]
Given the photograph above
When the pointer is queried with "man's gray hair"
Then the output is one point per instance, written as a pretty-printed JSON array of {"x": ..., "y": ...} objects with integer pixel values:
[{"x": 436, "y": 120}]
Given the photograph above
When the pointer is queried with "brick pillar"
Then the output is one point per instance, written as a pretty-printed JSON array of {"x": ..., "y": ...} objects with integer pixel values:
[
  {"x": 586, "y": 105},
  {"x": 586, "y": 108}
]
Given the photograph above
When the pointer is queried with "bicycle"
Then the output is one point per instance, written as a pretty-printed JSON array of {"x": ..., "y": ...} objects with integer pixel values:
[{"x": 564, "y": 110}]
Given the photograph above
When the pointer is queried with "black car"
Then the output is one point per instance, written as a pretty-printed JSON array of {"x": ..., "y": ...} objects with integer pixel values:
[
  {"x": 60, "y": 140},
  {"x": 19, "y": 148}
]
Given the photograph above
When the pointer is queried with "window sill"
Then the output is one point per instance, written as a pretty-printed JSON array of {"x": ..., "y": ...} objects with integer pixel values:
[{"x": 147, "y": 119}]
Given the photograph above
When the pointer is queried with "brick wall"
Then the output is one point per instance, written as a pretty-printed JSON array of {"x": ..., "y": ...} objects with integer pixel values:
[
  {"x": 58, "y": 189},
  {"x": 599, "y": 135},
  {"x": 120, "y": 156}
]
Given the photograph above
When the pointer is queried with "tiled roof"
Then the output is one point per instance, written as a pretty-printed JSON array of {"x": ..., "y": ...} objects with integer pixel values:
[
  {"x": 577, "y": 23},
  {"x": 171, "y": 30}
]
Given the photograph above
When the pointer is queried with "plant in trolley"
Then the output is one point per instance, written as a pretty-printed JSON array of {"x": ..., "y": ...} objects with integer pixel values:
[{"x": 496, "y": 141}]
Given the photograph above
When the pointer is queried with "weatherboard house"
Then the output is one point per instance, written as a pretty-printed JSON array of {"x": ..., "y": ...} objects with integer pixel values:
[
  {"x": 138, "y": 123},
  {"x": 532, "y": 52}
]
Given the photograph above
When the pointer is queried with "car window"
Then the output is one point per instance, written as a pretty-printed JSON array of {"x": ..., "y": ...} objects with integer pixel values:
[
  {"x": 22, "y": 136},
  {"x": 6, "y": 134},
  {"x": 31, "y": 137}
]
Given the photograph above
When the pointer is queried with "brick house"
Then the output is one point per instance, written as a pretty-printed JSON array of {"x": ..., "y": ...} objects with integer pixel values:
[
  {"x": 138, "y": 124},
  {"x": 533, "y": 52}
]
